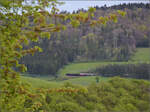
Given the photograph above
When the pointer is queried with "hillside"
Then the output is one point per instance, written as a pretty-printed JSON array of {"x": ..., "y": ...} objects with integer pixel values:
[
  {"x": 51, "y": 82},
  {"x": 41, "y": 83},
  {"x": 142, "y": 54},
  {"x": 40, "y": 45},
  {"x": 116, "y": 94},
  {"x": 117, "y": 41}
]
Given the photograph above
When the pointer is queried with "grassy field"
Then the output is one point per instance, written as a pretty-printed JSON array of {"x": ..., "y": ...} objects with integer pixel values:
[
  {"x": 85, "y": 67},
  {"x": 85, "y": 80},
  {"x": 79, "y": 67},
  {"x": 40, "y": 83},
  {"x": 142, "y": 55}
]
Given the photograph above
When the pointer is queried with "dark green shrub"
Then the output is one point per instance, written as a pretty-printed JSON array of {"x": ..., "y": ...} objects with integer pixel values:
[{"x": 139, "y": 71}]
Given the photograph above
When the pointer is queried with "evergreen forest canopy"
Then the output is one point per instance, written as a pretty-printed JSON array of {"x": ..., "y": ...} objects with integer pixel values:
[{"x": 114, "y": 42}]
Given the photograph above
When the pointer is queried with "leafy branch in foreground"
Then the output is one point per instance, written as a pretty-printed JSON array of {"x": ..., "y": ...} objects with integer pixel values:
[{"x": 17, "y": 31}]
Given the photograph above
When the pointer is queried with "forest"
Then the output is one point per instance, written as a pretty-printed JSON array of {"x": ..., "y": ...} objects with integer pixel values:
[
  {"x": 114, "y": 42},
  {"x": 38, "y": 47}
]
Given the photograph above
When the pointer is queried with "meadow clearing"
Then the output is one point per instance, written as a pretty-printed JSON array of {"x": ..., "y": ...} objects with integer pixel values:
[{"x": 142, "y": 55}]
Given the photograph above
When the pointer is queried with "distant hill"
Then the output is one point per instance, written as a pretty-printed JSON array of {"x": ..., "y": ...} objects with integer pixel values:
[{"x": 113, "y": 42}]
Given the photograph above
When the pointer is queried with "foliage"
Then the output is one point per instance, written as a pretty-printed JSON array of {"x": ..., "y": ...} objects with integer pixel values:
[
  {"x": 139, "y": 71},
  {"x": 17, "y": 30},
  {"x": 117, "y": 94},
  {"x": 114, "y": 42},
  {"x": 89, "y": 66}
]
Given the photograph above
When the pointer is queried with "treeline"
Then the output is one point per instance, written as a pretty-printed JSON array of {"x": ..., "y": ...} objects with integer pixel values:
[
  {"x": 115, "y": 95},
  {"x": 138, "y": 71},
  {"x": 115, "y": 41}
]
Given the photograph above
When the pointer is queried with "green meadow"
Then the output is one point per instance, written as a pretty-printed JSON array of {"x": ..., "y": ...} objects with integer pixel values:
[
  {"x": 142, "y": 55},
  {"x": 40, "y": 83}
]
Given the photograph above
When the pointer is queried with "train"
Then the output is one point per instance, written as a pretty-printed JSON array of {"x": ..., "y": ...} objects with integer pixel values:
[{"x": 80, "y": 74}]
